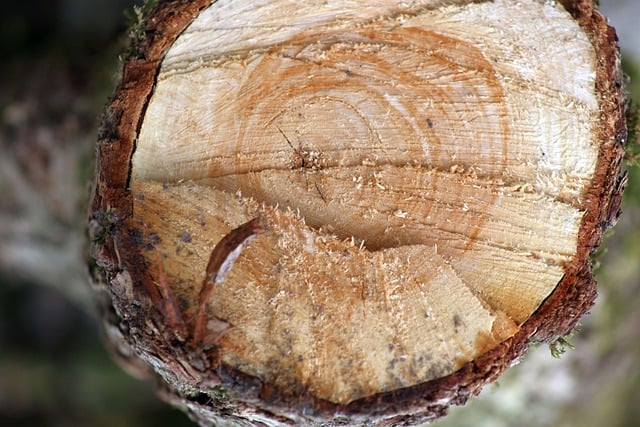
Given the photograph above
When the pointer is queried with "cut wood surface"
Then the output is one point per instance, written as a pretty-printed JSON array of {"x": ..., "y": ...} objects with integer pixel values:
[{"x": 354, "y": 209}]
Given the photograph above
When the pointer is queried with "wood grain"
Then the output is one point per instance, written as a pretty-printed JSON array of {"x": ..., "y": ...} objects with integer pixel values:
[
  {"x": 448, "y": 155},
  {"x": 430, "y": 175}
]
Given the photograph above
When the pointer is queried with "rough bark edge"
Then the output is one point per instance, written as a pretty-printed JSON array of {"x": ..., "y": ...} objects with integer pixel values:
[{"x": 230, "y": 397}]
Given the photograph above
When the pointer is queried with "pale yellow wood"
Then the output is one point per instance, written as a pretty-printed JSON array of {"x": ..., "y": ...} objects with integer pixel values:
[
  {"x": 498, "y": 246},
  {"x": 420, "y": 166},
  {"x": 521, "y": 104},
  {"x": 312, "y": 311}
]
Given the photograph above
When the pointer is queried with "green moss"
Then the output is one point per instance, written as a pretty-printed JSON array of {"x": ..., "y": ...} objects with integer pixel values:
[
  {"x": 219, "y": 393},
  {"x": 559, "y": 346},
  {"x": 136, "y": 19}
]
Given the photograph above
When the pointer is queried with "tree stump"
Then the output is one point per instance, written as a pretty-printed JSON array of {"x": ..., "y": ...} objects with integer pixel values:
[{"x": 352, "y": 212}]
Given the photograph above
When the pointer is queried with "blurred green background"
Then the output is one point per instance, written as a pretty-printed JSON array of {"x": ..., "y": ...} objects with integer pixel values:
[{"x": 59, "y": 61}]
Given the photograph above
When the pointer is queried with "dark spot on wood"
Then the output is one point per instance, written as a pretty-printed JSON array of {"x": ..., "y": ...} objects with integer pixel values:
[
  {"x": 457, "y": 321},
  {"x": 135, "y": 235},
  {"x": 186, "y": 237},
  {"x": 392, "y": 363},
  {"x": 152, "y": 240},
  {"x": 429, "y": 123},
  {"x": 320, "y": 192},
  {"x": 183, "y": 301}
]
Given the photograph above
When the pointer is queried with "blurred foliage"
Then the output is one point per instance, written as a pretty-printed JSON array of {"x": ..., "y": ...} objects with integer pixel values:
[
  {"x": 54, "y": 370},
  {"x": 59, "y": 62}
]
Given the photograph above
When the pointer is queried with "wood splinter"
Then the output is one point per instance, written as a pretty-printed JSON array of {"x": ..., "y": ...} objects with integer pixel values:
[
  {"x": 223, "y": 255},
  {"x": 166, "y": 302}
]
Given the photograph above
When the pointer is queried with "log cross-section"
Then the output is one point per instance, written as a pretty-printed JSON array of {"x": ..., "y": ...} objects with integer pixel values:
[{"x": 358, "y": 211}]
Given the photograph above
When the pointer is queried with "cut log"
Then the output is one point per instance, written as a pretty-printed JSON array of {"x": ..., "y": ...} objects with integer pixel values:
[{"x": 353, "y": 212}]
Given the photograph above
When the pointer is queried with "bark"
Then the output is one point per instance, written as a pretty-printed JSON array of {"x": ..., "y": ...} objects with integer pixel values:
[{"x": 261, "y": 192}]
